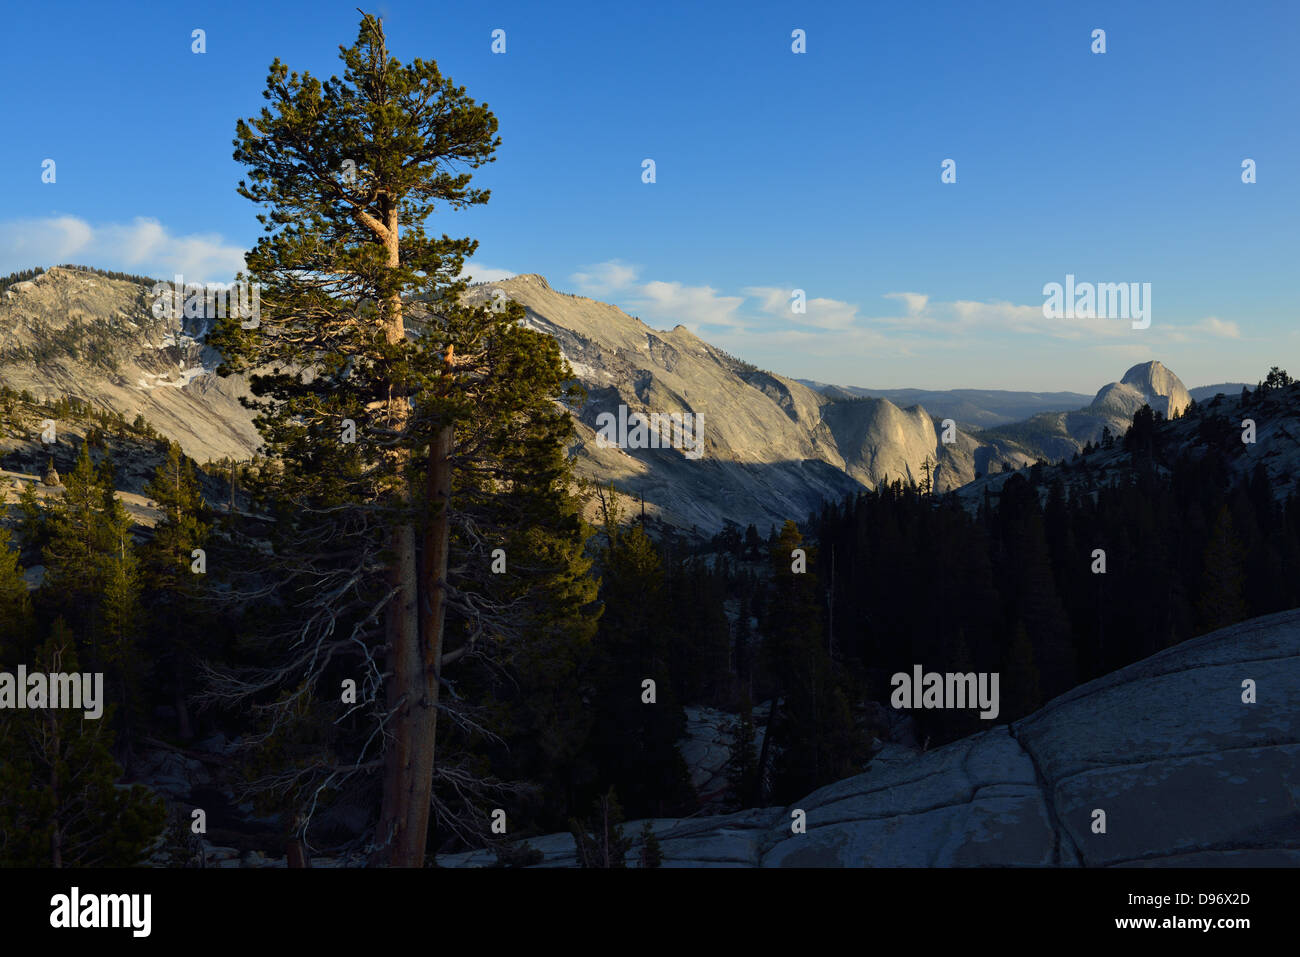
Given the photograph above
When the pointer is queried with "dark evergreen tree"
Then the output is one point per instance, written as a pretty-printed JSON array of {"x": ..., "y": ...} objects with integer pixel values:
[
  {"x": 1221, "y": 600},
  {"x": 402, "y": 418},
  {"x": 742, "y": 763},
  {"x": 815, "y": 741},
  {"x": 634, "y": 741},
  {"x": 651, "y": 854},
  {"x": 15, "y": 605},
  {"x": 600, "y": 841},
  {"x": 92, "y": 576},
  {"x": 62, "y": 806},
  {"x": 176, "y": 574},
  {"x": 1019, "y": 683}
]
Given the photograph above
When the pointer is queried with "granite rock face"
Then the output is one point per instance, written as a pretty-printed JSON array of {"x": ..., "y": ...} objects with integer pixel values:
[
  {"x": 769, "y": 451},
  {"x": 707, "y": 748},
  {"x": 70, "y": 332},
  {"x": 1149, "y": 383},
  {"x": 775, "y": 447},
  {"x": 772, "y": 448},
  {"x": 1158, "y": 388},
  {"x": 1186, "y": 772}
]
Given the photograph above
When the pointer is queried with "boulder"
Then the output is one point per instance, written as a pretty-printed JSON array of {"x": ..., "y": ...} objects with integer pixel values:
[
  {"x": 706, "y": 748},
  {"x": 1187, "y": 770}
]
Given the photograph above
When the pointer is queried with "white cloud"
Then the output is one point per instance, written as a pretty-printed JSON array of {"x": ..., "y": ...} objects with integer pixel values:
[
  {"x": 484, "y": 273},
  {"x": 773, "y": 300},
  {"x": 138, "y": 242},
  {"x": 915, "y": 301},
  {"x": 1223, "y": 329},
  {"x": 830, "y": 313},
  {"x": 143, "y": 245},
  {"x": 821, "y": 313},
  {"x": 761, "y": 326},
  {"x": 41, "y": 242},
  {"x": 673, "y": 302},
  {"x": 971, "y": 315},
  {"x": 964, "y": 318},
  {"x": 603, "y": 278}
]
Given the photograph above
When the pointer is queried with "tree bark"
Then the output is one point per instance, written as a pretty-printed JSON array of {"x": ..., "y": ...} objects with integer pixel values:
[
  {"x": 403, "y": 695},
  {"x": 760, "y": 792},
  {"x": 404, "y": 814},
  {"x": 433, "y": 606},
  {"x": 296, "y": 855},
  {"x": 416, "y": 653}
]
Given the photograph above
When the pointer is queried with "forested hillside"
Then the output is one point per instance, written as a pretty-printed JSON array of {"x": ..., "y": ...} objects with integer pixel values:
[{"x": 547, "y": 717}]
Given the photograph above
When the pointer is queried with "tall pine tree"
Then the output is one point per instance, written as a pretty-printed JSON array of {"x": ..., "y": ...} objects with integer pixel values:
[
  {"x": 62, "y": 806},
  {"x": 389, "y": 396},
  {"x": 176, "y": 575}
]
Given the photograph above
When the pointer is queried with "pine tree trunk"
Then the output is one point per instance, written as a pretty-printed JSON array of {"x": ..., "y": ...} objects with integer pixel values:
[
  {"x": 414, "y": 626},
  {"x": 396, "y": 843},
  {"x": 433, "y": 607},
  {"x": 760, "y": 792},
  {"x": 296, "y": 854},
  {"x": 414, "y": 663}
]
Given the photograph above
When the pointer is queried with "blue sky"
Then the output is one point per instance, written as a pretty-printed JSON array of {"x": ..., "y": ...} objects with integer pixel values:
[{"x": 774, "y": 170}]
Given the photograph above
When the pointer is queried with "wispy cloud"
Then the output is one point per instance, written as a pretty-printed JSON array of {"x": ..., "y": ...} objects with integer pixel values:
[
  {"x": 607, "y": 277},
  {"x": 915, "y": 301},
  {"x": 477, "y": 272},
  {"x": 657, "y": 301},
  {"x": 909, "y": 327},
  {"x": 1220, "y": 328},
  {"x": 673, "y": 302},
  {"x": 819, "y": 312},
  {"x": 143, "y": 245}
]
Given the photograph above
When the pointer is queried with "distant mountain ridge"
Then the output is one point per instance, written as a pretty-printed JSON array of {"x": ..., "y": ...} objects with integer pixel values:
[
  {"x": 74, "y": 332},
  {"x": 981, "y": 408},
  {"x": 1216, "y": 423},
  {"x": 774, "y": 447},
  {"x": 1203, "y": 392}
]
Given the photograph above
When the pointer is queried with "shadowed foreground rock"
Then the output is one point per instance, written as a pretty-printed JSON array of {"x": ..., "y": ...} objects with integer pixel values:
[{"x": 1186, "y": 773}]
